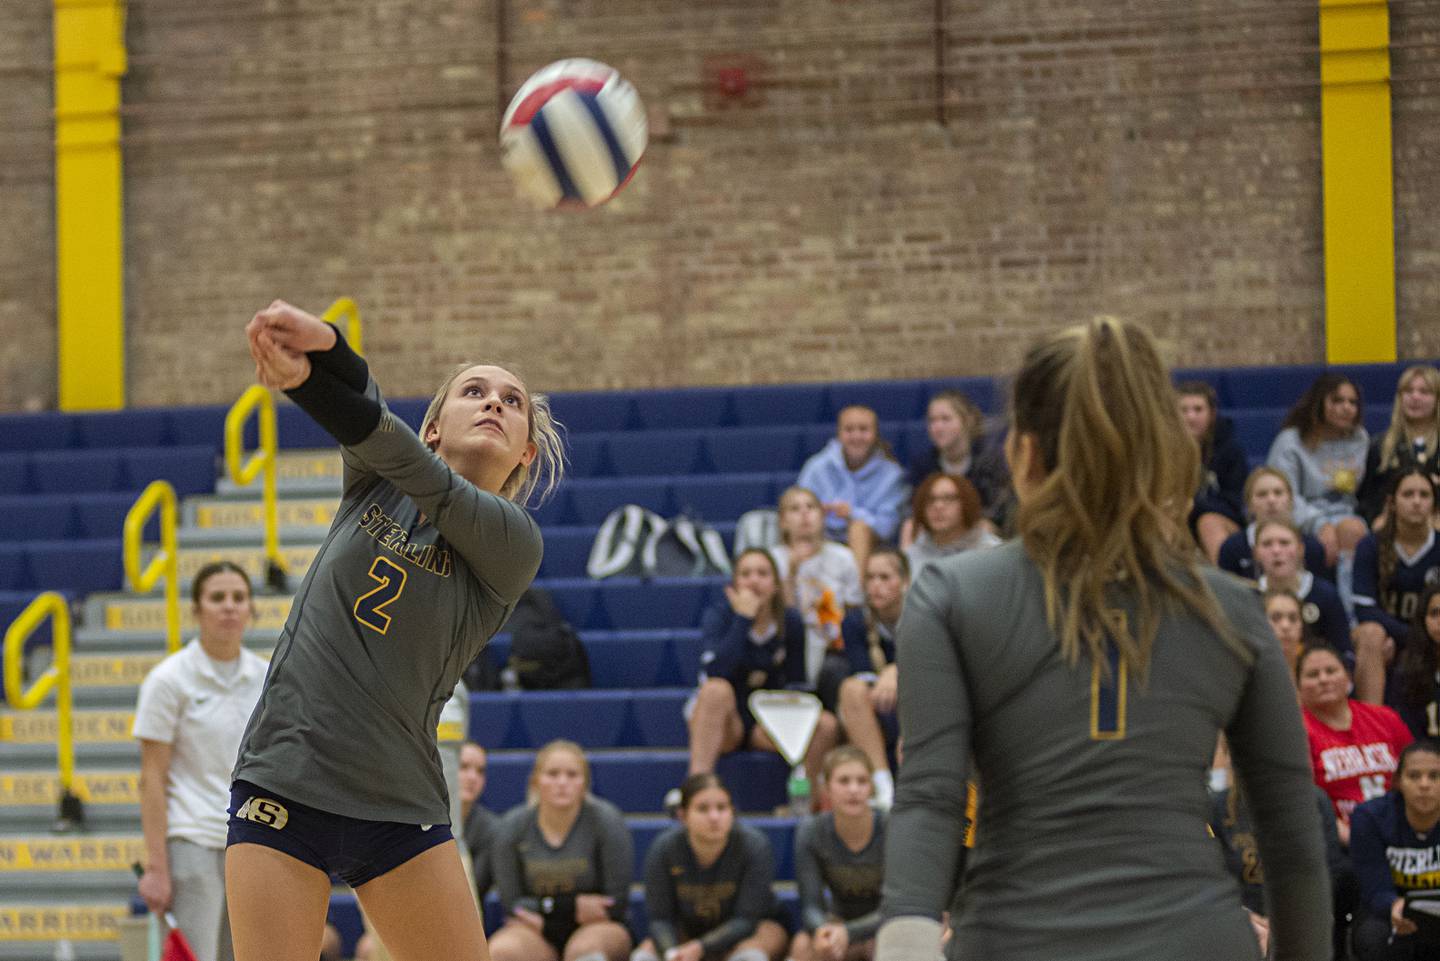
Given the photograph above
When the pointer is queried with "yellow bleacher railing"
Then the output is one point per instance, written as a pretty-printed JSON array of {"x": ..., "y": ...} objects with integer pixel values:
[
  {"x": 345, "y": 309},
  {"x": 243, "y": 472},
  {"x": 56, "y": 677},
  {"x": 166, "y": 563}
]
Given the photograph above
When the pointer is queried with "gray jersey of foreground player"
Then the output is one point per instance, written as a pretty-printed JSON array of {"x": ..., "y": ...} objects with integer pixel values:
[{"x": 1091, "y": 839}]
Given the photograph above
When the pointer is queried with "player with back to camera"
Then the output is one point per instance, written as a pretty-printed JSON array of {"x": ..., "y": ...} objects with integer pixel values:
[
  {"x": 1087, "y": 667},
  {"x": 429, "y": 551}
]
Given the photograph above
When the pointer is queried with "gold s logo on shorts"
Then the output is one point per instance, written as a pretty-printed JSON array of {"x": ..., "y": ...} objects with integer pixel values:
[{"x": 262, "y": 810}]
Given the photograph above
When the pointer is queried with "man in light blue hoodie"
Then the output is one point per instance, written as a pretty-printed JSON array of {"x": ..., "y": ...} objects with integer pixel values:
[{"x": 858, "y": 482}]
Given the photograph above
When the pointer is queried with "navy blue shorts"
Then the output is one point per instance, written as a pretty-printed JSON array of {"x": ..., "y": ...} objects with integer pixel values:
[{"x": 353, "y": 850}]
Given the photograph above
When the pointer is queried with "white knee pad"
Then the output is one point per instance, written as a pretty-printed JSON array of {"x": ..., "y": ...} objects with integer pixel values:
[{"x": 750, "y": 954}]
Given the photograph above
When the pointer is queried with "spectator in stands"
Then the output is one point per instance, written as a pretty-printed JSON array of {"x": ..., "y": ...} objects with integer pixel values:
[
  {"x": 1392, "y": 569},
  {"x": 190, "y": 716},
  {"x": 707, "y": 884},
  {"x": 1267, "y": 496},
  {"x": 563, "y": 862},
  {"x": 1279, "y": 563},
  {"x": 1322, "y": 448},
  {"x": 1234, "y": 828},
  {"x": 751, "y": 642},
  {"x": 819, "y": 578},
  {"x": 480, "y": 823},
  {"x": 1353, "y": 745},
  {"x": 1415, "y": 693},
  {"x": 1284, "y": 611},
  {"x": 946, "y": 519},
  {"x": 1216, "y": 513},
  {"x": 1411, "y": 440},
  {"x": 858, "y": 482},
  {"x": 1395, "y": 851},
  {"x": 960, "y": 448},
  {"x": 867, "y": 697},
  {"x": 840, "y": 865}
]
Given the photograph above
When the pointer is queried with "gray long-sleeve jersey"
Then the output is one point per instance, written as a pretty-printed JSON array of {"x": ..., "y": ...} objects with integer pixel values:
[
  {"x": 719, "y": 904},
  {"x": 1091, "y": 839},
  {"x": 823, "y": 862},
  {"x": 418, "y": 570},
  {"x": 596, "y": 857}
]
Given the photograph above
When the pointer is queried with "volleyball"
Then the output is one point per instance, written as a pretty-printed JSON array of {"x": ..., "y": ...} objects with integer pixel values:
[{"x": 573, "y": 134}]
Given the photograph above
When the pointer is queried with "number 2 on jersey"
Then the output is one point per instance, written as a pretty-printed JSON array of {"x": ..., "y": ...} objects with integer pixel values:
[
  {"x": 1108, "y": 696},
  {"x": 370, "y": 606}
]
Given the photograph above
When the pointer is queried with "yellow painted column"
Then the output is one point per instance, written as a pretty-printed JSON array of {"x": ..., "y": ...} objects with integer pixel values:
[
  {"x": 89, "y": 240},
  {"x": 1358, "y": 181}
]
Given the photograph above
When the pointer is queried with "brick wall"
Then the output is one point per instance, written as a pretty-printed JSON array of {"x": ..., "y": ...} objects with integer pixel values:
[
  {"x": 867, "y": 207},
  {"x": 27, "y": 208}
]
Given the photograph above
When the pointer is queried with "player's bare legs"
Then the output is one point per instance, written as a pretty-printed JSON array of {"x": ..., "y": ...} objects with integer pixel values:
[
  {"x": 277, "y": 904},
  {"x": 424, "y": 910}
]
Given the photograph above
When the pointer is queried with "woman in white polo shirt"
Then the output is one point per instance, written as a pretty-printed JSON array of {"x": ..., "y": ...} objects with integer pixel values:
[{"x": 191, "y": 714}]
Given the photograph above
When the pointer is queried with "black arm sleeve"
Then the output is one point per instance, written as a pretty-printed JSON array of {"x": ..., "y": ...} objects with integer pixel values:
[
  {"x": 347, "y": 415},
  {"x": 343, "y": 362}
]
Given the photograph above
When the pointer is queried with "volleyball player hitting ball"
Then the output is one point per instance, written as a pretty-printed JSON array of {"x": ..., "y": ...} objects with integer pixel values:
[
  {"x": 429, "y": 550},
  {"x": 1088, "y": 667}
]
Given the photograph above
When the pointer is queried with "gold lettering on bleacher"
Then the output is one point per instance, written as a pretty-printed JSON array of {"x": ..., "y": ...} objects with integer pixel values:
[
  {"x": 303, "y": 466},
  {"x": 242, "y": 514},
  {"x": 46, "y": 923},
  {"x": 71, "y": 854},
  {"x": 90, "y": 727},
  {"x": 149, "y": 615},
  {"x": 251, "y": 560},
  {"x": 119, "y": 788},
  {"x": 94, "y": 671},
  {"x": 392, "y": 537}
]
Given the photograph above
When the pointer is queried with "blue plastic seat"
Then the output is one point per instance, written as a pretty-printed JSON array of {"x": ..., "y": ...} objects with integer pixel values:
[
  {"x": 14, "y": 571},
  {"x": 495, "y": 720},
  {"x": 588, "y": 455},
  {"x": 741, "y": 450},
  {"x": 36, "y": 517},
  {"x": 190, "y": 470},
  {"x": 655, "y": 453},
  {"x": 46, "y": 430},
  {"x": 77, "y": 565},
  {"x": 1252, "y": 387},
  {"x": 590, "y": 411},
  {"x": 14, "y": 473},
  {"x": 659, "y": 717},
  {"x": 1255, "y": 429},
  {"x": 894, "y": 431},
  {"x": 591, "y": 718},
  {"x": 916, "y": 442},
  {"x": 891, "y": 400},
  {"x": 409, "y": 409},
  {"x": 639, "y": 659},
  {"x": 558, "y": 510},
  {"x": 579, "y": 602},
  {"x": 781, "y": 404},
  {"x": 146, "y": 427},
  {"x": 75, "y": 471},
  {"x": 297, "y": 430},
  {"x": 566, "y": 551},
  {"x": 722, "y": 498},
  {"x": 634, "y": 780},
  {"x": 660, "y": 603},
  {"x": 103, "y": 515},
  {"x": 594, "y": 499},
  {"x": 685, "y": 407},
  {"x": 203, "y": 425}
]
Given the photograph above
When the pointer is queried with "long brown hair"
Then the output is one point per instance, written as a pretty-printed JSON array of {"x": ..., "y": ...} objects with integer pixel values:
[
  {"x": 1308, "y": 414},
  {"x": 1385, "y": 537},
  {"x": 1397, "y": 433},
  {"x": 970, "y": 510},
  {"x": 1111, "y": 510}
]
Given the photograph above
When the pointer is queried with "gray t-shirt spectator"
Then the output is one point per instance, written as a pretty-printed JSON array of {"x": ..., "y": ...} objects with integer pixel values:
[
  {"x": 823, "y": 862},
  {"x": 720, "y": 905},
  {"x": 596, "y": 857}
]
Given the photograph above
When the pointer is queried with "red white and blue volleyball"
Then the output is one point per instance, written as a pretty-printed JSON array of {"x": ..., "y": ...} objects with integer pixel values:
[{"x": 573, "y": 134}]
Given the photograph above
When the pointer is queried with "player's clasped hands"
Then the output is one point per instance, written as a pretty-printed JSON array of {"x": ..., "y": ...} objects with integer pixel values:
[{"x": 279, "y": 337}]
